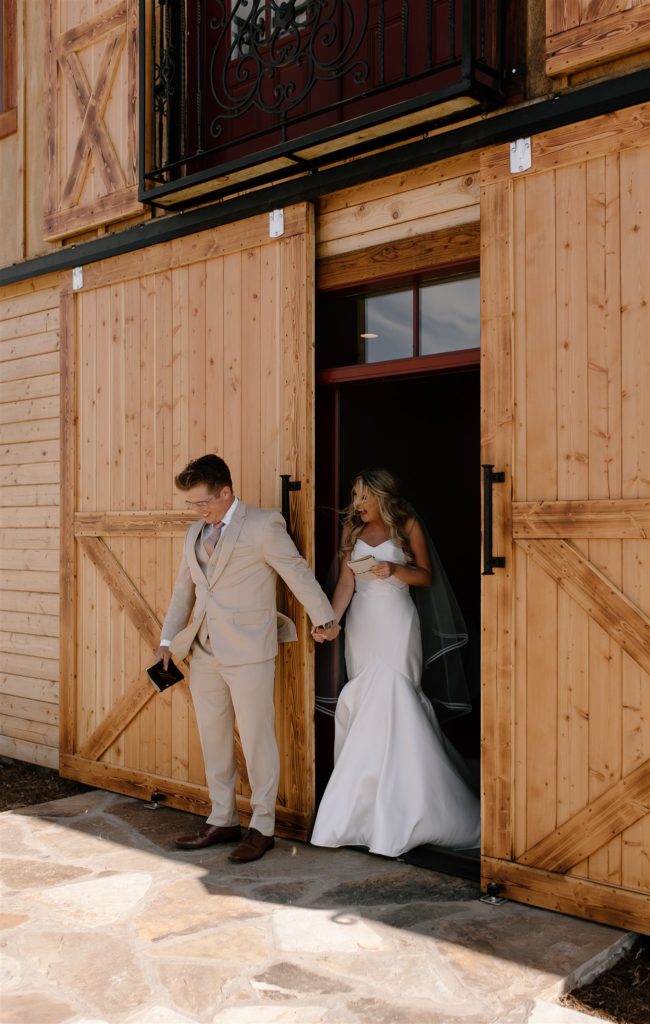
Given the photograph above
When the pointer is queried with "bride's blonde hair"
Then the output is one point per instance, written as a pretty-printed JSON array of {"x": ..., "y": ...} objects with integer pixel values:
[{"x": 393, "y": 509}]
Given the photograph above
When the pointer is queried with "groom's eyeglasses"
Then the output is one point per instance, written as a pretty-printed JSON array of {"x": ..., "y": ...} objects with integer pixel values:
[{"x": 203, "y": 504}]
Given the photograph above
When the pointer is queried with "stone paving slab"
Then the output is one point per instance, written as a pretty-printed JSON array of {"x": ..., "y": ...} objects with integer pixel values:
[{"x": 104, "y": 921}]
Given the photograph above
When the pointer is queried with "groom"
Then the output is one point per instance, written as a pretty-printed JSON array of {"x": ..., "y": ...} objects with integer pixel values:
[{"x": 228, "y": 574}]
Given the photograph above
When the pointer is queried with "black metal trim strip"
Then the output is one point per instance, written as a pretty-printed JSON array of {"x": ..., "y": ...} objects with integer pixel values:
[{"x": 564, "y": 108}]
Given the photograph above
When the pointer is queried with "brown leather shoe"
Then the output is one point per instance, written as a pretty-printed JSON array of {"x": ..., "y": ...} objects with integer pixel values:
[
  {"x": 253, "y": 847},
  {"x": 210, "y": 835}
]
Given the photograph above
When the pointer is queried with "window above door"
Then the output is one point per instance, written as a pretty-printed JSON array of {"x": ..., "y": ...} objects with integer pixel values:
[{"x": 423, "y": 317}]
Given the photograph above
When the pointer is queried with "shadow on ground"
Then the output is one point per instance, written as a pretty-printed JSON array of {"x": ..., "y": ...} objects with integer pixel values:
[{"x": 106, "y": 920}]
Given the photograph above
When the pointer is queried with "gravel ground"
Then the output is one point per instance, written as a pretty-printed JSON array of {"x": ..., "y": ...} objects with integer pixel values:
[
  {"x": 23, "y": 784},
  {"x": 620, "y": 995}
]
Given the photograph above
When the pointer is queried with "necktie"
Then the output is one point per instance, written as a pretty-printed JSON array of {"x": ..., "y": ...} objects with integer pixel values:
[{"x": 211, "y": 537}]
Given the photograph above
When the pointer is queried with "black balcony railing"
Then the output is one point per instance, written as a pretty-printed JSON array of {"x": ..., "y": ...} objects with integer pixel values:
[{"x": 240, "y": 90}]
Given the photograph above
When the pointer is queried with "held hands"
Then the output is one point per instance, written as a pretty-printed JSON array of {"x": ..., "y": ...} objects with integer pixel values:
[{"x": 320, "y": 634}]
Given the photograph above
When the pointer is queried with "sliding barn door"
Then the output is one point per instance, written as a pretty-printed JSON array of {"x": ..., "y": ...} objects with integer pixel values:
[
  {"x": 202, "y": 344},
  {"x": 565, "y": 403}
]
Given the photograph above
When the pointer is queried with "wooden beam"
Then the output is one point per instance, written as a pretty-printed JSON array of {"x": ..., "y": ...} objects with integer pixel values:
[
  {"x": 596, "y": 901},
  {"x": 8, "y": 68},
  {"x": 382, "y": 187},
  {"x": 185, "y": 796},
  {"x": 68, "y": 554},
  {"x": 407, "y": 256},
  {"x": 598, "y": 40},
  {"x": 626, "y": 624},
  {"x": 591, "y": 828},
  {"x": 614, "y": 520},
  {"x": 295, "y": 687},
  {"x": 101, "y": 210},
  {"x": 606, "y": 134},
  {"x": 468, "y": 358},
  {"x": 207, "y": 244},
  {"x": 121, "y": 714},
  {"x": 8, "y": 122},
  {"x": 51, "y": 176},
  {"x": 497, "y": 591},
  {"x": 94, "y": 28},
  {"x": 123, "y": 589},
  {"x": 156, "y": 523}
]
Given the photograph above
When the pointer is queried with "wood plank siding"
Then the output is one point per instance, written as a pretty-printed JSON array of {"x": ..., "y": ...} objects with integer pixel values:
[
  {"x": 29, "y": 522},
  {"x": 429, "y": 200},
  {"x": 584, "y": 33}
]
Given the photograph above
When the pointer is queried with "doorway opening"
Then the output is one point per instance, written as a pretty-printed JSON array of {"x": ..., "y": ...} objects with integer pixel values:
[{"x": 419, "y": 417}]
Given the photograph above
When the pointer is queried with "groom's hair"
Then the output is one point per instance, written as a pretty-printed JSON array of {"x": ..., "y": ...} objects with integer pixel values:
[{"x": 209, "y": 470}]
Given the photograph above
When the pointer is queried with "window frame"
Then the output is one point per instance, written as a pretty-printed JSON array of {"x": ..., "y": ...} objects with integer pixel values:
[
  {"x": 8, "y": 69},
  {"x": 416, "y": 362}
]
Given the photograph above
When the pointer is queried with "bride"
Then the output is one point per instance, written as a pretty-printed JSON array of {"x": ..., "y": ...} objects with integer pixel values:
[{"x": 397, "y": 783}]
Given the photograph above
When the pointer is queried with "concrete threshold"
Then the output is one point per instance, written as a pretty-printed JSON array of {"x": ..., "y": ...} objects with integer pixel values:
[{"x": 104, "y": 921}]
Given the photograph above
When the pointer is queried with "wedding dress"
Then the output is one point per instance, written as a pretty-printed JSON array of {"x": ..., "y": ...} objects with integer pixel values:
[{"x": 397, "y": 783}]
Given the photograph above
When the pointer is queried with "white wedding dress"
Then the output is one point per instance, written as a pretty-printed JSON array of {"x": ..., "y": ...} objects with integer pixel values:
[{"x": 397, "y": 783}]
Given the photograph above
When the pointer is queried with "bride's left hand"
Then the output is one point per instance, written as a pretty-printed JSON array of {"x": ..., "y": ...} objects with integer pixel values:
[
  {"x": 383, "y": 570},
  {"x": 320, "y": 635}
]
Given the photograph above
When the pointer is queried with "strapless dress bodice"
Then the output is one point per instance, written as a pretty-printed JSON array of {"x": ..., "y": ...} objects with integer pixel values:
[{"x": 386, "y": 551}]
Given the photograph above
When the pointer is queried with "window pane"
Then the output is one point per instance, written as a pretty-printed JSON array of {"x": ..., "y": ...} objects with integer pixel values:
[
  {"x": 449, "y": 316},
  {"x": 337, "y": 331},
  {"x": 387, "y": 325}
]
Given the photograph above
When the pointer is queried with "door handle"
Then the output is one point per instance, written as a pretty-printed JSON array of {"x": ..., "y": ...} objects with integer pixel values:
[
  {"x": 288, "y": 485},
  {"x": 490, "y": 561}
]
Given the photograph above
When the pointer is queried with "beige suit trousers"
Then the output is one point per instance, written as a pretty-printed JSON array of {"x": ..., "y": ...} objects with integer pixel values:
[{"x": 245, "y": 692}]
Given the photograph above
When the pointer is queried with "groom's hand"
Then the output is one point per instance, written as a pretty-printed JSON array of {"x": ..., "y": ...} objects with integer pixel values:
[
  {"x": 163, "y": 654},
  {"x": 328, "y": 631}
]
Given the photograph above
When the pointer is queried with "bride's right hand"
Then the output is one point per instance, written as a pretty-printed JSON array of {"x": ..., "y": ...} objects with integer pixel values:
[{"x": 383, "y": 570}]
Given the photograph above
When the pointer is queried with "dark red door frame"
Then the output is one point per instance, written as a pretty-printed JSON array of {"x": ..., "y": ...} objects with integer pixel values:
[
  {"x": 330, "y": 384},
  {"x": 464, "y": 359},
  {"x": 331, "y": 381}
]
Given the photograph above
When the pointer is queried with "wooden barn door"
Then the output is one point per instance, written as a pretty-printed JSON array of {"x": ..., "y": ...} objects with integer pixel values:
[
  {"x": 202, "y": 344},
  {"x": 565, "y": 398}
]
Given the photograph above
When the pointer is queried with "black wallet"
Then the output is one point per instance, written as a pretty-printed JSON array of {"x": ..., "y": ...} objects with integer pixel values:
[{"x": 162, "y": 677}]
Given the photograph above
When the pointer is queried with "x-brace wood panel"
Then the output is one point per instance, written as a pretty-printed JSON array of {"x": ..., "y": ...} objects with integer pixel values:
[
  {"x": 140, "y": 690},
  {"x": 596, "y": 519},
  {"x": 78, "y": 97},
  {"x": 94, "y": 136},
  {"x": 601, "y": 820},
  {"x": 596, "y": 901},
  {"x": 626, "y": 624}
]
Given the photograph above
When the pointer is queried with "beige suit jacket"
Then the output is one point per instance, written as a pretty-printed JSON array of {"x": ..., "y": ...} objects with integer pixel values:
[{"x": 236, "y": 595}]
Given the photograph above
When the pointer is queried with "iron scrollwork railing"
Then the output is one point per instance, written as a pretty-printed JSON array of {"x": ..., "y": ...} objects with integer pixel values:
[
  {"x": 235, "y": 82},
  {"x": 260, "y": 40}
]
